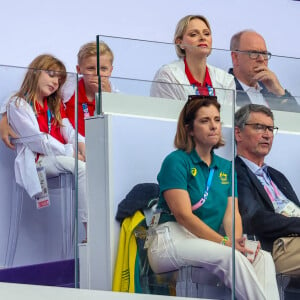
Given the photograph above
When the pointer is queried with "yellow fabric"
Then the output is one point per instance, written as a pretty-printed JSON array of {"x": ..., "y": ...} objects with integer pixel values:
[{"x": 123, "y": 280}]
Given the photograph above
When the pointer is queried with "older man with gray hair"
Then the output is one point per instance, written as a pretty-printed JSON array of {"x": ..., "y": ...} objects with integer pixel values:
[
  {"x": 268, "y": 204},
  {"x": 255, "y": 82}
]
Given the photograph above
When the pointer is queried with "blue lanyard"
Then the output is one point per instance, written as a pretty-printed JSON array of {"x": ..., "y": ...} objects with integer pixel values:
[
  {"x": 209, "y": 89},
  {"x": 49, "y": 120},
  {"x": 209, "y": 181},
  {"x": 205, "y": 195},
  {"x": 49, "y": 117},
  {"x": 85, "y": 109}
]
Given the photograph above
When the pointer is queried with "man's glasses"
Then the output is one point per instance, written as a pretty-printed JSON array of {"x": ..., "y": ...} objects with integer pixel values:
[
  {"x": 255, "y": 54},
  {"x": 261, "y": 128}
]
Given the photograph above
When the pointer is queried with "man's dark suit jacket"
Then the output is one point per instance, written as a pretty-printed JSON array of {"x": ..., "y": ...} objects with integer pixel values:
[
  {"x": 256, "y": 209},
  {"x": 285, "y": 103}
]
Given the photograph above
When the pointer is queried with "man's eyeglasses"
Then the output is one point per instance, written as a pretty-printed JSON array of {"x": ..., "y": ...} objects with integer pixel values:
[
  {"x": 261, "y": 128},
  {"x": 255, "y": 54}
]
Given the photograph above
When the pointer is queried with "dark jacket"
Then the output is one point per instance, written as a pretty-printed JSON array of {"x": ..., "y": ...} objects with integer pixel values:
[
  {"x": 140, "y": 197},
  {"x": 258, "y": 214},
  {"x": 285, "y": 103}
]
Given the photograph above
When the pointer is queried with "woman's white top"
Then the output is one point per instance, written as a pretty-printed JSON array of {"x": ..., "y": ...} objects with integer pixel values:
[{"x": 171, "y": 82}]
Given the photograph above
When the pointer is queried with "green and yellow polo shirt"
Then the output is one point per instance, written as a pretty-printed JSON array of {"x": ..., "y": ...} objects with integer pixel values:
[{"x": 186, "y": 171}]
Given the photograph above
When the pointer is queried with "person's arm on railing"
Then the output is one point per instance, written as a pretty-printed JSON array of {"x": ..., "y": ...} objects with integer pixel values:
[
  {"x": 23, "y": 121},
  {"x": 6, "y": 132}
]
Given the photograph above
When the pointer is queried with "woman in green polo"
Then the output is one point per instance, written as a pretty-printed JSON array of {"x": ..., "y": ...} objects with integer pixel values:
[{"x": 195, "y": 200}]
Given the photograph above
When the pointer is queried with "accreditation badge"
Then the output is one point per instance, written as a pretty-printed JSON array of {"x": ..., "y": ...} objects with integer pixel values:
[
  {"x": 42, "y": 199},
  {"x": 290, "y": 210}
]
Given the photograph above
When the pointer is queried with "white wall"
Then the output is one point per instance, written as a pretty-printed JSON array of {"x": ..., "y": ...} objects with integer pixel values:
[
  {"x": 60, "y": 27},
  {"x": 31, "y": 27}
]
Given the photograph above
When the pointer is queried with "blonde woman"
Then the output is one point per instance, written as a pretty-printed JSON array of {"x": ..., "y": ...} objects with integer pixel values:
[{"x": 191, "y": 74}]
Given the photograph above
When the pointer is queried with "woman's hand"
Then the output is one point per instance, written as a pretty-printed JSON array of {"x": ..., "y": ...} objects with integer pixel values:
[
  {"x": 248, "y": 249},
  {"x": 240, "y": 244},
  {"x": 252, "y": 257},
  {"x": 179, "y": 203}
]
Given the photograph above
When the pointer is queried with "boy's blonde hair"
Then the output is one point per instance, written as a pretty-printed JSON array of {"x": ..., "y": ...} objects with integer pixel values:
[{"x": 90, "y": 49}]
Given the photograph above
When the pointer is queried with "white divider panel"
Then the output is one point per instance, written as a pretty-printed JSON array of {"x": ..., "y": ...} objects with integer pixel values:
[
  {"x": 170, "y": 109},
  {"x": 141, "y": 106}
]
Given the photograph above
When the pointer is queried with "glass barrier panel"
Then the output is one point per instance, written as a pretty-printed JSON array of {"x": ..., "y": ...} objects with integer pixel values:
[
  {"x": 269, "y": 139},
  {"x": 79, "y": 208},
  {"x": 277, "y": 88},
  {"x": 286, "y": 70},
  {"x": 153, "y": 120},
  {"x": 277, "y": 85},
  {"x": 38, "y": 186},
  {"x": 141, "y": 59},
  {"x": 144, "y": 58},
  {"x": 133, "y": 100},
  {"x": 139, "y": 111}
]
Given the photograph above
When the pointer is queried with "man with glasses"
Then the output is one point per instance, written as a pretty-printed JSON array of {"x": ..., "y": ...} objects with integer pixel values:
[
  {"x": 255, "y": 82},
  {"x": 268, "y": 204}
]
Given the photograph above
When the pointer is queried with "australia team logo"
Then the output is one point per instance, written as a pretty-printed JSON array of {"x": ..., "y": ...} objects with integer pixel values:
[
  {"x": 224, "y": 178},
  {"x": 194, "y": 171}
]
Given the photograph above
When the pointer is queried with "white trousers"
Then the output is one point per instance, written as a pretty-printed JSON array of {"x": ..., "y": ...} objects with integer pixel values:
[
  {"x": 174, "y": 246},
  {"x": 60, "y": 164}
]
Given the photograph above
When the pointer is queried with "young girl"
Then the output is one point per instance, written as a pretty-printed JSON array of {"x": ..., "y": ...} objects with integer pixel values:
[{"x": 36, "y": 114}]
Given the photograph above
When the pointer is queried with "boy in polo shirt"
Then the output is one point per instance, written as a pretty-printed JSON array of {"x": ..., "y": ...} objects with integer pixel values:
[{"x": 88, "y": 84}]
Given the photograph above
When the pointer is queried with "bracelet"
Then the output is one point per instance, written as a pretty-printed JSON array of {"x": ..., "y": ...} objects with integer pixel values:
[{"x": 224, "y": 240}]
